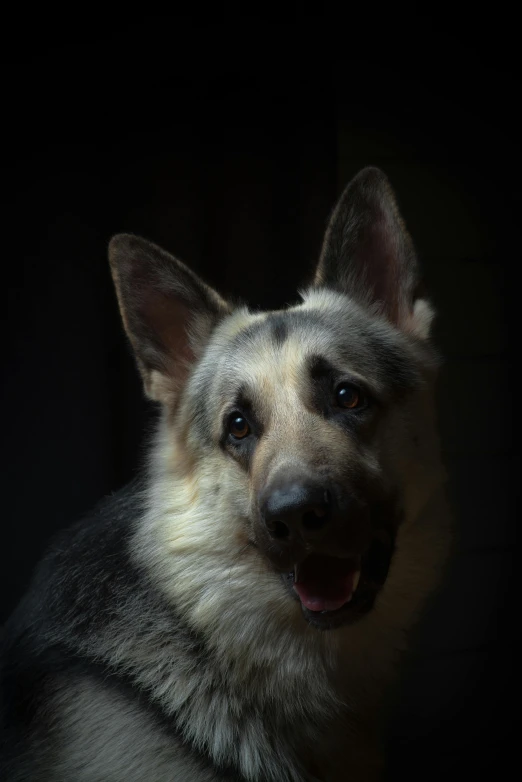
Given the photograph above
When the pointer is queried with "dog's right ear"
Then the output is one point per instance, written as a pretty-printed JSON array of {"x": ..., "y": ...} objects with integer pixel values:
[
  {"x": 167, "y": 311},
  {"x": 368, "y": 254}
]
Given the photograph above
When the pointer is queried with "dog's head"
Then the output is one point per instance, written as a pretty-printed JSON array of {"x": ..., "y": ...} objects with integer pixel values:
[{"x": 302, "y": 433}]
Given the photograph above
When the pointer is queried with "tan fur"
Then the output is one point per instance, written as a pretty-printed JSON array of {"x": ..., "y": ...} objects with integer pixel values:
[
  {"x": 239, "y": 611},
  {"x": 231, "y": 596},
  {"x": 200, "y": 539}
]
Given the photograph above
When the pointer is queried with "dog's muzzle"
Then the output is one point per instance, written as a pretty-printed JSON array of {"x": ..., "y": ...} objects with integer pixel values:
[{"x": 323, "y": 542}]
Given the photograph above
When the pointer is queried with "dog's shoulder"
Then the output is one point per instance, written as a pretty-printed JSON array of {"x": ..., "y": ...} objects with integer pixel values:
[
  {"x": 67, "y": 707},
  {"x": 86, "y": 571},
  {"x": 72, "y": 589},
  {"x": 81, "y": 566}
]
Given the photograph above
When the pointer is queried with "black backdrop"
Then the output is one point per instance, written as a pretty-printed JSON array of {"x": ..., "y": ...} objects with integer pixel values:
[{"x": 228, "y": 146}]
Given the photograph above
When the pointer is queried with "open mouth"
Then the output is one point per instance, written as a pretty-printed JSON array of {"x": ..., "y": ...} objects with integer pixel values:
[{"x": 334, "y": 590}]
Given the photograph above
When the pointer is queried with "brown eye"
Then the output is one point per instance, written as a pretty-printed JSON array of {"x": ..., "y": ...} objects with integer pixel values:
[
  {"x": 349, "y": 396},
  {"x": 238, "y": 427}
]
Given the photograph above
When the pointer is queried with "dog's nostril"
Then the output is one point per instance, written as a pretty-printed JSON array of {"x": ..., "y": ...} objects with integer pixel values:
[
  {"x": 278, "y": 529},
  {"x": 317, "y": 515},
  {"x": 314, "y": 519}
]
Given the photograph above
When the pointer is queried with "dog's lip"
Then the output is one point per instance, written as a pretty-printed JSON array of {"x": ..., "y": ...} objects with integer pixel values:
[{"x": 355, "y": 560}]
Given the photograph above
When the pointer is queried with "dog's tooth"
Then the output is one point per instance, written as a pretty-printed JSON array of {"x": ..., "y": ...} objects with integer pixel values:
[{"x": 356, "y": 579}]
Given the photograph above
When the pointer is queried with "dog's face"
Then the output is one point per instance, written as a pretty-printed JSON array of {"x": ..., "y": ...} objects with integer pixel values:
[{"x": 307, "y": 420}]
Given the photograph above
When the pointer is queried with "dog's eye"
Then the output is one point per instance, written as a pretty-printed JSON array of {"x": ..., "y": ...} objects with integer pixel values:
[
  {"x": 349, "y": 396},
  {"x": 238, "y": 426}
]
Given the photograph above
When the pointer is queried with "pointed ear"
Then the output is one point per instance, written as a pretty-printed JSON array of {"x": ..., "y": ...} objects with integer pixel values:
[
  {"x": 368, "y": 254},
  {"x": 167, "y": 311}
]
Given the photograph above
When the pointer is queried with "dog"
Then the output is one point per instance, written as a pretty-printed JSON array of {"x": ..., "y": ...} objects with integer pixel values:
[{"x": 238, "y": 611}]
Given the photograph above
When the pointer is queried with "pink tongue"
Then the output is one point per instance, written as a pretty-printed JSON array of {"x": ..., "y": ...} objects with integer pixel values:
[{"x": 325, "y": 583}]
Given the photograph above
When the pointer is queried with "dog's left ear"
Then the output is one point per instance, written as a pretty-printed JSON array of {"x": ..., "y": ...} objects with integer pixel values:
[
  {"x": 368, "y": 254},
  {"x": 168, "y": 312}
]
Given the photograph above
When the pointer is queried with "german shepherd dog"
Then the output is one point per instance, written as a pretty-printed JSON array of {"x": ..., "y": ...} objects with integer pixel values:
[{"x": 237, "y": 612}]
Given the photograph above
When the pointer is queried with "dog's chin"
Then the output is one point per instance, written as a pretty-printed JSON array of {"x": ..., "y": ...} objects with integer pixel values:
[{"x": 334, "y": 590}]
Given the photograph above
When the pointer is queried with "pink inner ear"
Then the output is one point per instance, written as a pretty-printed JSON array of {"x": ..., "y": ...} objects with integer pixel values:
[
  {"x": 168, "y": 317},
  {"x": 378, "y": 258},
  {"x": 367, "y": 251}
]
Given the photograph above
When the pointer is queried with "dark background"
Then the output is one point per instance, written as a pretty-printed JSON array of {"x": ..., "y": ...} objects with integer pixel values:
[{"x": 228, "y": 145}]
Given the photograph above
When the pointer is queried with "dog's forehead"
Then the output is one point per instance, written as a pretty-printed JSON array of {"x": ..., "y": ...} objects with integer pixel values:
[
  {"x": 276, "y": 341},
  {"x": 277, "y": 345},
  {"x": 308, "y": 325}
]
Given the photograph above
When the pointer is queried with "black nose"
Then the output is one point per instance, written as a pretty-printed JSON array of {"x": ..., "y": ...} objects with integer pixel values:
[{"x": 296, "y": 509}]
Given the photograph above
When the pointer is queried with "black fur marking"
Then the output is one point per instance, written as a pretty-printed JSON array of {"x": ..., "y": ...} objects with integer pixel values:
[
  {"x": 279, "y": 328},
  {"x": 323, "y": 375},
  {"x": 398, "y": 370},
  {"x": 79, "y": 590},
  {"x": 325, "y": 378}
]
